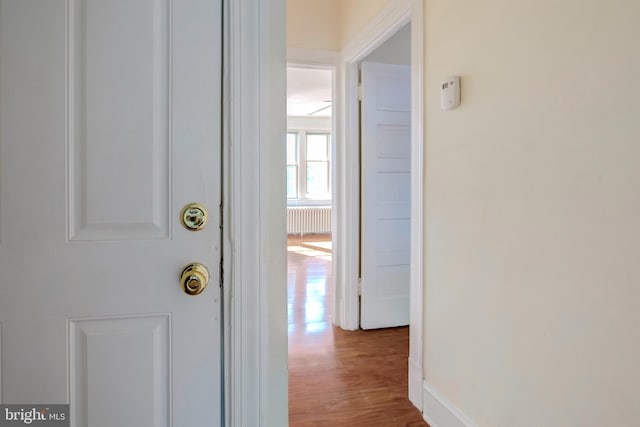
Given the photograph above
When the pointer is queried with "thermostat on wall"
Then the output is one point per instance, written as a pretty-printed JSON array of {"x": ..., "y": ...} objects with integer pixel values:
[{"x": 450, "y": 93}]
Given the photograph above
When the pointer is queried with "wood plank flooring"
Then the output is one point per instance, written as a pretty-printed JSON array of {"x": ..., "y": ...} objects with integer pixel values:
[{"x": 340, "y": 378}]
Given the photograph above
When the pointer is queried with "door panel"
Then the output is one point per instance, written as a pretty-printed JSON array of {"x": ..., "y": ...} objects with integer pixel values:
[
  {"x": 109, "y": 126},
  {"x": 130, "y": 354},
  {"x": 386, "y": 149},
  {"x": 119, "y": 119}
]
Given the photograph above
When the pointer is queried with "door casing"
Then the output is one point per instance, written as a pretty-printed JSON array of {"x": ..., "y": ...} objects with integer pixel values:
[{"x": 255, "y": 199}]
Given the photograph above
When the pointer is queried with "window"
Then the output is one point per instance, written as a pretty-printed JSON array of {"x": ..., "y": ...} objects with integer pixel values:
[
  {"x": 292, "y": 165},
  {"x": 317, "y": 166},
  {"x": 308, "y": 165}
]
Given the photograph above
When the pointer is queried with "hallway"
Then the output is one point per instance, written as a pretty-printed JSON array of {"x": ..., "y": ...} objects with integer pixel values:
[{"x": 337, "y": 377}]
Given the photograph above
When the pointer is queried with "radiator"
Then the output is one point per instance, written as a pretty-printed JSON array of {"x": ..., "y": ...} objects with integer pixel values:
[{"x": 309, "y": 219}]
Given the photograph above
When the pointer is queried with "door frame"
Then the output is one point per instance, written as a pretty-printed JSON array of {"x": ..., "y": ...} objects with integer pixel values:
[
  {"x": 255, "y": 298},
  {"x": 390, "y": 19}
]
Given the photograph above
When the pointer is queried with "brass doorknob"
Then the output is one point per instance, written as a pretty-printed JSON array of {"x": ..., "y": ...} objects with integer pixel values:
[{"x": 194, "y": 278}]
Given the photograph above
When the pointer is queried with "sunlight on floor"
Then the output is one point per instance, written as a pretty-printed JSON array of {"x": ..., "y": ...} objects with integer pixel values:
[
  {"x": 307, "y": 251},
  {"x": 322, "y": 246},
  {"x": 337, "y": 376},
  {"x": 308, "y": 284}
]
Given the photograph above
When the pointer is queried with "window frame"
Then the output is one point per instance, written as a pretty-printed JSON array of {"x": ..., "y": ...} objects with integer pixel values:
[
  {"x": 301, "y": 151},
  {"x": 296, "y": 164}
]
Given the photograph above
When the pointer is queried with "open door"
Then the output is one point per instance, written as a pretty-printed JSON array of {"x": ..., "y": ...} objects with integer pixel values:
[
  {"x": 110, "y": 125},
  {"x": 386, "y": 188}
]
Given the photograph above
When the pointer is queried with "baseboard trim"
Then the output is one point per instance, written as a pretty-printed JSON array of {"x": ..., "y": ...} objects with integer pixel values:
[
  {"x": 415, "y": 383},
  {"x": 437, "y": 411}
]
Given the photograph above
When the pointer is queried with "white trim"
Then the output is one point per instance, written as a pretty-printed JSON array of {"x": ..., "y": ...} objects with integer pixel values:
[
  {"x": 274, "y": 376},
  {"x": 309, "y": 124},
  {"x": 417, "y": 200},
  {"x": 256, "y": 353},
  {"x": 308, "y": 58},
  {"x": 392, "y": 17},
  {"x": 347, "y": 185},
  {"x": 440, "y": 412},
  {"x": 415, "y": 381}
]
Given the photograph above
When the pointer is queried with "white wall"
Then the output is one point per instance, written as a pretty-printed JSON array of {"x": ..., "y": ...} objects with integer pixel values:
[
  {"x": 355, "y": 15},
  {"x": 328, "y": 24},
  {"x": 532, "y": 211},
  {"x": 396, "y": 50}
]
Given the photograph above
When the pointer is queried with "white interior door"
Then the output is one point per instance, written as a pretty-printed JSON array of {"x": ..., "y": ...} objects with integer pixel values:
[
  {"x": 386, "y": 185},
  {"x": 109, "y": 125}
]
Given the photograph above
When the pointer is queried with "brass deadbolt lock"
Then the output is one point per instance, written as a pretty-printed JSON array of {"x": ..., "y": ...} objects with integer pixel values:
[{"x": 194, "y": 217}]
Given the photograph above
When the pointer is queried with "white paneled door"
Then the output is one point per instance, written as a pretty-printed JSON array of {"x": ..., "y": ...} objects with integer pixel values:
[
  {"x": 386, "y": 185},
  {"x": 109, "y": 126}
]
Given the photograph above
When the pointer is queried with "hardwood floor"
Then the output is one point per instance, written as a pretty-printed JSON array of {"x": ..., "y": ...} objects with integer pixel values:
[{"x": 340, "y": 378}]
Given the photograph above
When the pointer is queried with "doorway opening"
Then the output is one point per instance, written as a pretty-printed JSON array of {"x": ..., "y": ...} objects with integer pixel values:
[
  {"x": 385, "y": 183},
  {"x": 310, "y": 174},
  {"x": 337, "y": 372},
  {"x": 309, "y": 148}
]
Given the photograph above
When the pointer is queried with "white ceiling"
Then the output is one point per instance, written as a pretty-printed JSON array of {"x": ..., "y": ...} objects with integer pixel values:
[{"x": 308, "y": 92}]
